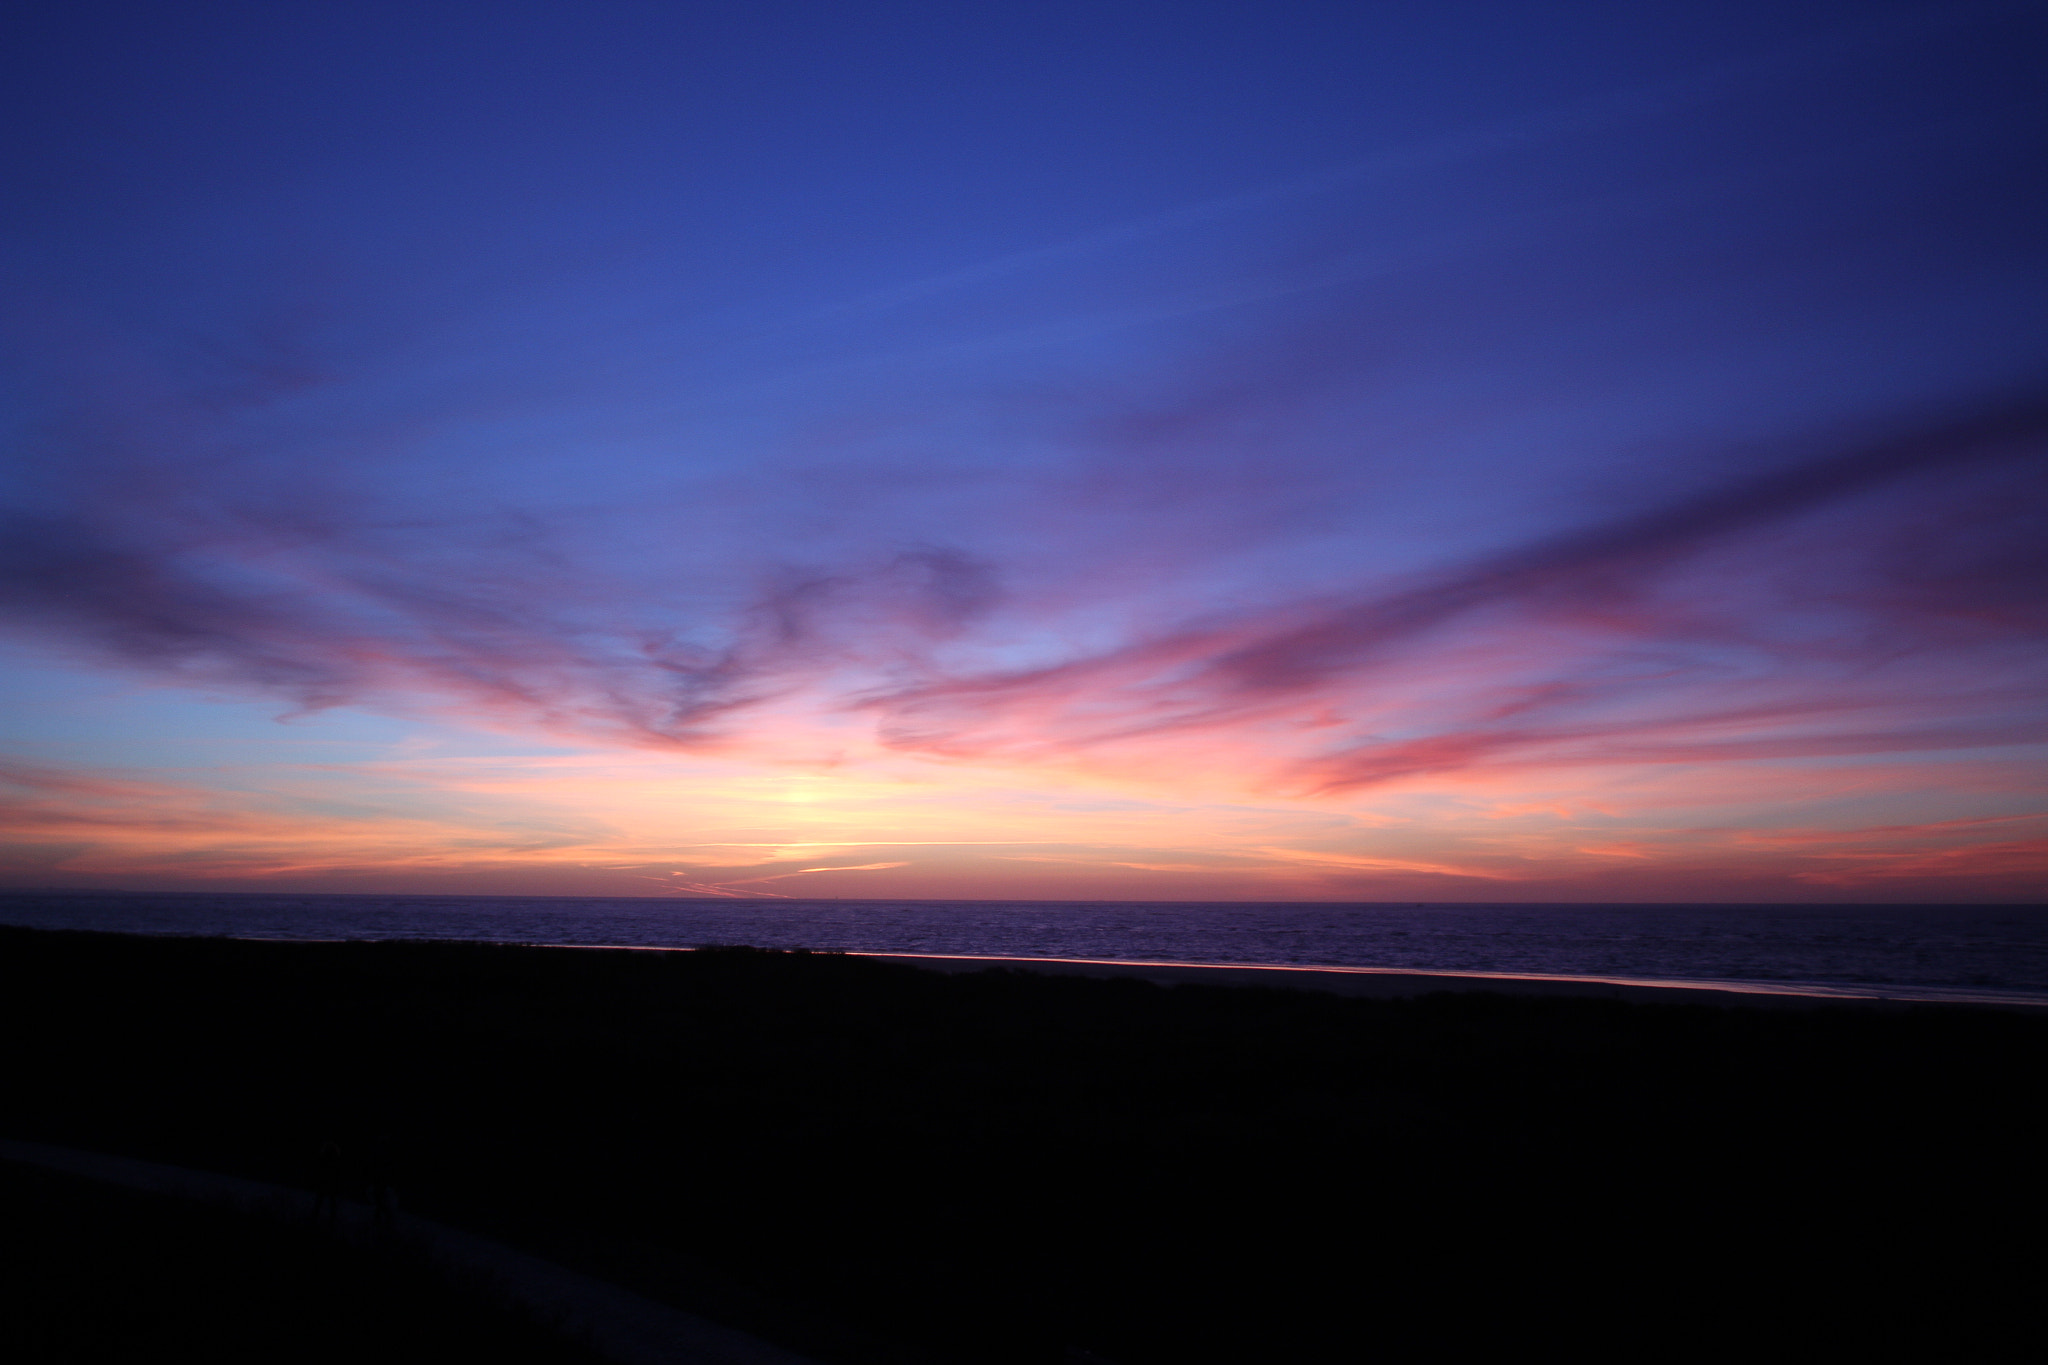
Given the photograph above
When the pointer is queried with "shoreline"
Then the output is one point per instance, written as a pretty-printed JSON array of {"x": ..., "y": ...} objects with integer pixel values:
[
  {"x": 1386, "y": 983},
  {"x": 1379, "y": 983},
  {"x": 1375, "y": 983}
]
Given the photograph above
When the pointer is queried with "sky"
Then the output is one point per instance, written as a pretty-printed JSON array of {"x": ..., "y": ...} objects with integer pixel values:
[{"x": 1447, "y": 451}]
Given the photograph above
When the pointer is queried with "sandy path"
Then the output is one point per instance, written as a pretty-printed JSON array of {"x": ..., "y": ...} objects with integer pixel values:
[{"x": 620, "y": 1325}]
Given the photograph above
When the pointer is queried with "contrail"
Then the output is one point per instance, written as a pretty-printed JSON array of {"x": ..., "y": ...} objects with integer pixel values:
[{"x": 1847, "y": 42}]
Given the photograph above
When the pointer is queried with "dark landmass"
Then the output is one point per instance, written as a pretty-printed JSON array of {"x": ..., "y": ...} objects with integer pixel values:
[{"x": 878, "y": 1165}]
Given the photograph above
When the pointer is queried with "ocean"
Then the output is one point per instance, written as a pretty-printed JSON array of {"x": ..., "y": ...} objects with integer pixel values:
[{"x": 1995, "y": 950}]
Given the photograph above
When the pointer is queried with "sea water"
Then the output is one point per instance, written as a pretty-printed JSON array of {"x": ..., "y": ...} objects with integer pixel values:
[{"x": 1992, "y": 948}]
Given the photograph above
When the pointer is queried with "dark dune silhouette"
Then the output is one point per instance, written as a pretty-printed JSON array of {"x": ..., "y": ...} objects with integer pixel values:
[{"x": 864, "y": 1162}]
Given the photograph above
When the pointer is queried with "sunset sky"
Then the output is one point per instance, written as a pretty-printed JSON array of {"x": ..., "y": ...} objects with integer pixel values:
[{"x": 1159, "y": 451}]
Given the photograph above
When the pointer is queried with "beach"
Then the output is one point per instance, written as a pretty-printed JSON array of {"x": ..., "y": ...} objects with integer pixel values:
[
  {"x": 861, "y": 1162},
  {"x": 1384, "y": 983},
  {"x": 1912, "y": 952}
]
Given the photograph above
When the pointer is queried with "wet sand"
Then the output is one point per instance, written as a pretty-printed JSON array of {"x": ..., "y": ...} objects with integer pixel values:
[{"x": 1385, "y": 983}]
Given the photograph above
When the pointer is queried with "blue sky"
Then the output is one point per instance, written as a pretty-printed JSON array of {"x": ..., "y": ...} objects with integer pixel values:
[{"x": 1374, "y": 450}]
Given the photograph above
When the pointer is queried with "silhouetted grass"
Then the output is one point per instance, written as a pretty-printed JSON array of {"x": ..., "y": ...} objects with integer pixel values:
[{"x": 873, "y": 1163}]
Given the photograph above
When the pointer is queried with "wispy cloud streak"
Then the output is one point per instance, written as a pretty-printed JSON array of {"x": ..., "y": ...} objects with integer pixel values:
[
  {"x": 1942, "y": 556},
  {"x": 1817, "y": 608}
]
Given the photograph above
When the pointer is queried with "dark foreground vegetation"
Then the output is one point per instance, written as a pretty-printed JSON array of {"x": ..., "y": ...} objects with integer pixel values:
[{"x": 874, "y": 1164}]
